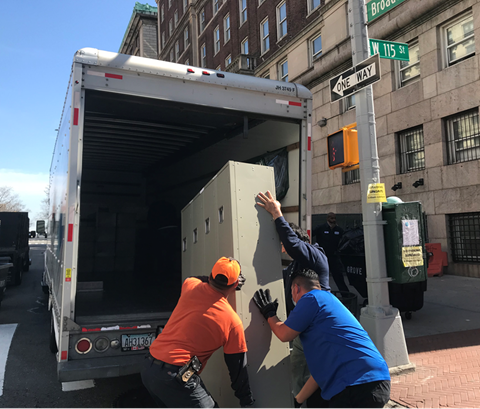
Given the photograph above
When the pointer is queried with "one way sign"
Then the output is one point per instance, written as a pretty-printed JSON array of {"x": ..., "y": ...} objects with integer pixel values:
[{"x": 348, "y": 82}]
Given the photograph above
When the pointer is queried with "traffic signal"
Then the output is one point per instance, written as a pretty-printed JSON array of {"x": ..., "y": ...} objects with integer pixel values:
[{"x": 343, "y": 148}]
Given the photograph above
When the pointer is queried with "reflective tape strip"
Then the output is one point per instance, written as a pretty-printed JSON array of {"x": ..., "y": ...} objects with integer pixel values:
[
  {"x": 70, "y": 232},
  {"x": 309, "y": 143},
  {"x": 283, "y": 102},
  {"x": 309, "y": 234},
  {"x": 64, "y": 355},
  {"x": 76, "y": 107},
  {"x": 105, "y": 75}
]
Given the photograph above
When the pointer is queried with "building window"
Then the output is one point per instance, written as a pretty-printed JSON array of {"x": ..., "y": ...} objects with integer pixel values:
[
  {"x": 349, "y": 103},
  {"x": 187, "y": 62},
  {"x": 266, "y": 75},
  {"x": 352, "y": 176},
  {"x": 170, "y": 27},
  {"x": 313, "y": 4},
  {"x": 175, "y": 17},
  {"x": 216, "y": 39},
  {"x": 226, "y": 26},
  {"x": 282, "y": 19},
  {"x": 163, "y": 39},
  {"x": 265, "y": 36},
  {"x": 219, "y": 68},
  {"x": 171, "y": 55},
  {"x": 243, "y": 11},
  {"x": 202, "y": 20},
  {"x": 283, "y": 70},
  {"x": 409, "y": 71},
  {"x": 162, "y": 13},
  {"x": 412, "y": 150},
  {"x": 203, "y": 54},
  {"x": 177, "y": 50},
  {"x": 463, "y": 137},
  {"x": 185, "y": 6},
  {"x": 216, "y": 6},
  {"x": 316, "y": 47},
  {"x": 460, "y": 40},
  {"x": 228, "y": 60},
  {"x": 245, "y": 46},
  {"x": 186, "y": 38},
  {"x": 465, "y": 237},
  {"x": 169, "y": 3}
]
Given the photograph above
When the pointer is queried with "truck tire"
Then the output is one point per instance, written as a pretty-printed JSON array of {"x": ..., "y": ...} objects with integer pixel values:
[
  {"x": 26, "y": 262},
  {"x": 52, "y": 344},
  {"x": 18, "y": 275}
]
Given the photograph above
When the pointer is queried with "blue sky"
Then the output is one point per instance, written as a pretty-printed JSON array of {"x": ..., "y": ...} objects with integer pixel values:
[{"x": 37, "y": 42}]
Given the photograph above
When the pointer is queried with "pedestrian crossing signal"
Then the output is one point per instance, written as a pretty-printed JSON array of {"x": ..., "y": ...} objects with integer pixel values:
[{"x": 343, "y": 148}]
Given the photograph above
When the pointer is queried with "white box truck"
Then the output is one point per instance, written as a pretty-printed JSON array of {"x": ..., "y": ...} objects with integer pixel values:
[{"x": 138, "y": 139}]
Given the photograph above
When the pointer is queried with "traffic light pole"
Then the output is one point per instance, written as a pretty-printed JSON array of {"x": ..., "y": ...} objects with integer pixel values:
[{"x": 382, "y": 322}]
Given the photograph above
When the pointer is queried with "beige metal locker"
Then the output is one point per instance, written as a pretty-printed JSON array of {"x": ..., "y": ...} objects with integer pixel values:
[{"x": 224, "y": 220}]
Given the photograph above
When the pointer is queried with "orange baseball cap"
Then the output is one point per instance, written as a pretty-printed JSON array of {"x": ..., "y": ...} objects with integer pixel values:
[{"x": 226, "y": 271}]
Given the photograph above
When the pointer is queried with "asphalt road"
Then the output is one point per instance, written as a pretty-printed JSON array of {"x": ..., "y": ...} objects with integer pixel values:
[{"x": 30, "y": 379}]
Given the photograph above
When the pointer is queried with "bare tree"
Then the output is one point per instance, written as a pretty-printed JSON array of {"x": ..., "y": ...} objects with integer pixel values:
[
  {"x": 44, "y": 206},
  {"x": 9, "y": 200}
]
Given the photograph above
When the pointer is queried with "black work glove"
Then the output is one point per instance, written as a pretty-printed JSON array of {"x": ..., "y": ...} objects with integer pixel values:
[
  {"x": 241, "y": 282},
  {"x": 249, "y": 403},
  {"x": 296, "y": 404},
  {"x": 264, "y": 302}
]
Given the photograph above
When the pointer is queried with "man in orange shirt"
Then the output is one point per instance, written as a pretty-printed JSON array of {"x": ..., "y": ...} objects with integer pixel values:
[{"x": 202, "y": 322}]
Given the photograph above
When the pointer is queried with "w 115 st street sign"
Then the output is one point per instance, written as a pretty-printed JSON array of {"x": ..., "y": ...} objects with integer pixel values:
[
  {"x": 348, "y": 82},
  {"x": 389, "y": 50},
  {"x": 375, "y": 8}
]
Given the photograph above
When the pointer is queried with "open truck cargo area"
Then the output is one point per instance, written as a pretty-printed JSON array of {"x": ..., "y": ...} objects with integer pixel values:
[{"x": 138, "y": 139}]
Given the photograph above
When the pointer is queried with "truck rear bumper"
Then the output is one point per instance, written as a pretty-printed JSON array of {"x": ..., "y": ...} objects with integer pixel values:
[{"x": 107, "y": 367}]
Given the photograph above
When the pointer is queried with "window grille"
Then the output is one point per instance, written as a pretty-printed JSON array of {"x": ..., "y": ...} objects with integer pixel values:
[
  {"x": 352, "y": 176},
  {"x": 465, "y": 237},
  {"x": 412, "y": 150},
  {"x": 463, "y": 137}
]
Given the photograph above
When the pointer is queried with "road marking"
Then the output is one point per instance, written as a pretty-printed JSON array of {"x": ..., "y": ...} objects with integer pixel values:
[
  {"x": 77, "y": 385},
  {"x": 6, "y": 335}
]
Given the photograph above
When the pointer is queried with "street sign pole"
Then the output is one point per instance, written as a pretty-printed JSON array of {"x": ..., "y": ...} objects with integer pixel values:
[{"x": 382, "y": 322}]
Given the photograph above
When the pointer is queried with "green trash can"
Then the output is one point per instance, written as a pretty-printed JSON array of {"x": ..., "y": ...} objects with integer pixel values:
[{"x": 405, "y": 254}]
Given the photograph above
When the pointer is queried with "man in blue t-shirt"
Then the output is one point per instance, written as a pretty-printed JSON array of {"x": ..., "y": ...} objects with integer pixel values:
[{"x": 342, "y": 358}]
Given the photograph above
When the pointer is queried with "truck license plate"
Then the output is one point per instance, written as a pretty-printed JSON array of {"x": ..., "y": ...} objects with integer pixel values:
[{"x": 137, "y": 342}]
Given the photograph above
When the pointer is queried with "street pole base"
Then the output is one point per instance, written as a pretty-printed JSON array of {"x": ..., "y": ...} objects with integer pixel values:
[{"x": 384, "y": 326}]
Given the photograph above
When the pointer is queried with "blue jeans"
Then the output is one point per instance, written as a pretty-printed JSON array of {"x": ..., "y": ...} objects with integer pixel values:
[{"x": 167, "y": 392}]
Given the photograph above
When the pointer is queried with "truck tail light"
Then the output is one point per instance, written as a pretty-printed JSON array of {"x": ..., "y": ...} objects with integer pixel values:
[{"x": 83, "y": 346}]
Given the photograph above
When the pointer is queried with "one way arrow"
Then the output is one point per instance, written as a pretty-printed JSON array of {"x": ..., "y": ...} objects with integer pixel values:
[{"x": 346, "y": 83}]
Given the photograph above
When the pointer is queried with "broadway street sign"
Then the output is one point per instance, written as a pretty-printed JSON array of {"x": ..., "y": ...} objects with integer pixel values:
[
  {"x": 375, "y": 8},
  {"x": 389, "y": 50},
  {"x": 348, "y": 82}
]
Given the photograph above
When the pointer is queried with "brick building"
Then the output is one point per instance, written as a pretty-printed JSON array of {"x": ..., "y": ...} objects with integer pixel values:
[
  {"x": 427, "y": 109},
  {"x": 141, "y": 37}
]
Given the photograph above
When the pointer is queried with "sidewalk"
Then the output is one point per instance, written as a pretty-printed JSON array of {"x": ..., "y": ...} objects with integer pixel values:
[{"x": 443, "y": 341}]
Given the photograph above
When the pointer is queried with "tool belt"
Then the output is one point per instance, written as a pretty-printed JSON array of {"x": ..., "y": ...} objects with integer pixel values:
[{"x": 187, "y": 370}]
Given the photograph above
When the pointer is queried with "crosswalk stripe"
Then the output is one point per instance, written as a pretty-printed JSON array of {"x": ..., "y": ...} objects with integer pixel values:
[{"x": 6, "y": 335}]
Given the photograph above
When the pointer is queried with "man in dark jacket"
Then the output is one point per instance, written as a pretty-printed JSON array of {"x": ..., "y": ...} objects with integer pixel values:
[
  {"x": 296, "y": 243},
  {"x": 328, "y": 236}
]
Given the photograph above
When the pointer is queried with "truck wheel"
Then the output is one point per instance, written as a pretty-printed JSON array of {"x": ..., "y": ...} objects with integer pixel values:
[
  {"x": 18, "y": 273},
  {"x": 52, "y": 343},
  {"x": 26, "y": 263}
]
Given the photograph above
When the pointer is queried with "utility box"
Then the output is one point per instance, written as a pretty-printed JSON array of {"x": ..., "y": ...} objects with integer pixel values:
[
  {"x": 405, "y": 255},
  {"x": 224, "y": 220},
  {"x": 405, "y": 242}
]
